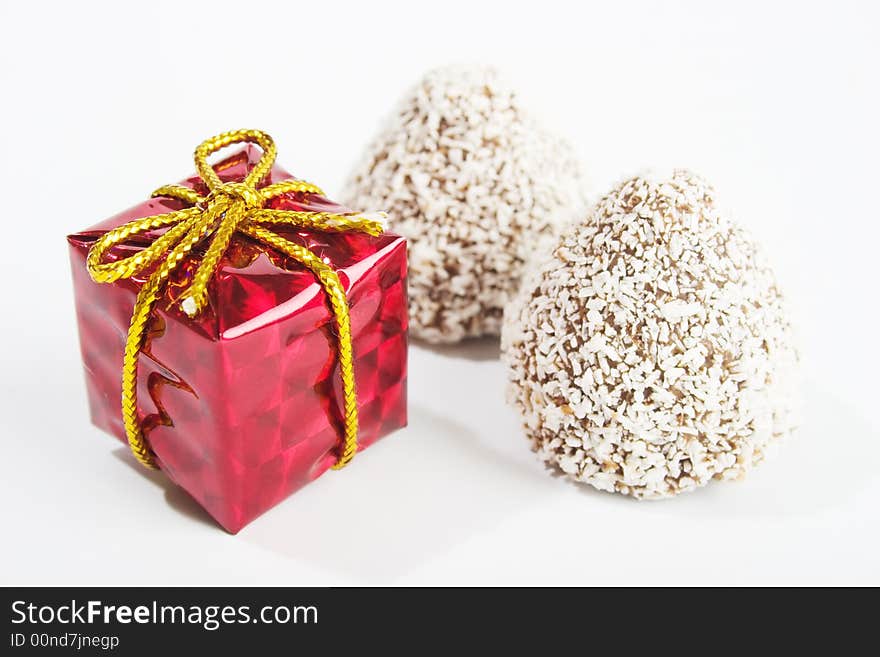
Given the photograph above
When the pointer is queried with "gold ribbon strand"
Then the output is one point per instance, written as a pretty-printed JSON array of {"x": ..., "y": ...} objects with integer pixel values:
[{"x": 228, "y": 208}]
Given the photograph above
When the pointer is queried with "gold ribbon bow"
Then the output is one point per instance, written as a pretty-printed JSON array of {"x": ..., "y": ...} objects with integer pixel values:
[{"x": 228, "y": 208}]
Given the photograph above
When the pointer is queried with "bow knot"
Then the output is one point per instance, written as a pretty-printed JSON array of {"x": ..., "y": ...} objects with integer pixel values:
[
  {"x": 235, "y": 192},
  {"x": 227, "y": 209}
]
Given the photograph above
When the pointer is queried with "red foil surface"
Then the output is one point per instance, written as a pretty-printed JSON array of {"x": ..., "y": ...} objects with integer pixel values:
[{"x": 243, "y": 405}]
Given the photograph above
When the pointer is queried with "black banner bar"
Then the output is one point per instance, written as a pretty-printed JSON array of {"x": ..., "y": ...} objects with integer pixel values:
[{"x": 158, "y": 621}]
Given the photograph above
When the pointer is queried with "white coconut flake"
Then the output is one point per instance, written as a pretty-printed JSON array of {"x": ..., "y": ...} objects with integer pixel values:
[
  {"x": 476, "y": 187},
  {"x": 661, "y": 328}
]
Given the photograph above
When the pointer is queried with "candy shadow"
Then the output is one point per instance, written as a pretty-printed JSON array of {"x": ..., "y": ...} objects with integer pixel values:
[
  {"x": 413, "y": 496},
  {"x": 822, "y": 468},
  {"x": 478, "y": 349},
  {"x": 176, "y": 497},
  {"x": 800, "y": 477}
]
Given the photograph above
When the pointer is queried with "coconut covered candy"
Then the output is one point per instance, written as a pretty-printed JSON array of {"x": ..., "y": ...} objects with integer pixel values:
[
  {"x": 651, "y": 352},
  {"x": 476, "y": 186}
]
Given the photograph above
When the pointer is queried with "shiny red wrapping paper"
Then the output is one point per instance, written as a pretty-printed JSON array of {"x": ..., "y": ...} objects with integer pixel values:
[{"x": 243, "y": 405}]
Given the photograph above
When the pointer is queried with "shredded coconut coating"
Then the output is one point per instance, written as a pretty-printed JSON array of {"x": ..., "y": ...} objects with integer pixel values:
[
  {"x": 652, "y": 352},
  {"x": 476, "y": 187}
]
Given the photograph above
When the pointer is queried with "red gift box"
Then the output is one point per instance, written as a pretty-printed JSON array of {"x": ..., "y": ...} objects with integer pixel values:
[{"x": 242, "y": 405}]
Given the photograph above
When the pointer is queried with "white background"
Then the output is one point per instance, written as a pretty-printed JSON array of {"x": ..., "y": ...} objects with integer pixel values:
[{"x": 777, "y": 104}]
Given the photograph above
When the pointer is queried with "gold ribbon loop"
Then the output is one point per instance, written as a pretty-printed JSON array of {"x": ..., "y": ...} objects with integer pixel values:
[{"x": 227, "y": 209}]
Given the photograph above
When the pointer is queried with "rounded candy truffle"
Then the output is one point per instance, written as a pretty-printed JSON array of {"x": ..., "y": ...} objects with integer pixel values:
[
  {"x": 651, "y": 351},
  {"x": 476, "y": 187}
]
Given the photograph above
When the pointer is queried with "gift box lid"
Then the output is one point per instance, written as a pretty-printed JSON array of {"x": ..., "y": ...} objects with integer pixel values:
[{"x": 253, "y": 285}]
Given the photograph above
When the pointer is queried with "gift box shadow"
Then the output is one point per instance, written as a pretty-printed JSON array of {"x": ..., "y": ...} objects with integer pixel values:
[
  {"x": 176, "y": 497},
  {"x": 415, "y": 495}
]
